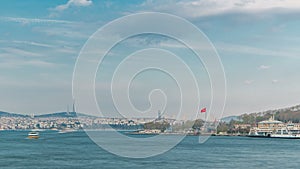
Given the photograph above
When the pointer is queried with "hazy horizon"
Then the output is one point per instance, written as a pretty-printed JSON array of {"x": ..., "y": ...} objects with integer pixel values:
[{"x": 257, "y": 43}]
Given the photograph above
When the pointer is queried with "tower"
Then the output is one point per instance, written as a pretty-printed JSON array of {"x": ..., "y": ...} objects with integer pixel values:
[{"x": 158, "y": 115}]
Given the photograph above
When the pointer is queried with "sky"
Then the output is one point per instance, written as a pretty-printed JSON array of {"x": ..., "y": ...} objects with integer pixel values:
[{"x": 257, "y": 42}]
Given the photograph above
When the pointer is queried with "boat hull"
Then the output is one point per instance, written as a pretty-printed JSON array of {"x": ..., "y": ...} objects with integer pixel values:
[
  {"x": 33, "y": 137},
  {"x": 257, "y": 136},
  {"x": 286, "y": 136},
  {"x": 277, "y": 136}
]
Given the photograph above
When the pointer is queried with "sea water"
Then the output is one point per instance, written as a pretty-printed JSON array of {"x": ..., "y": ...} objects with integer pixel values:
[{"x": 76, "y": 150}]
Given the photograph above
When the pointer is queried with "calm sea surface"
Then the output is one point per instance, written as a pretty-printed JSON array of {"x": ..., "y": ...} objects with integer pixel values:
[{"x": 76, "y": 150}]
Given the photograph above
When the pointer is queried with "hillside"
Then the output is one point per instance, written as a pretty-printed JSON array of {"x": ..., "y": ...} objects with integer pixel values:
[
  {"x": 284, "y": 115},
  {"x": 230, "y": 118},
  {"x": 7, "y": 114},
  {"x": 57, "y": 114}
]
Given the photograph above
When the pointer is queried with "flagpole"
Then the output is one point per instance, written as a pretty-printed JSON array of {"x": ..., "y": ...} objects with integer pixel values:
[{"x": 203, "y": 110}]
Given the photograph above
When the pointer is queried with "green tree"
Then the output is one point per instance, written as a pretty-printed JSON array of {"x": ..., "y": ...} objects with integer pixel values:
[
  {"x": 222, "y": 127},
  {"x": 198, "y": 124},
  {"x": 157, "y": 126}
]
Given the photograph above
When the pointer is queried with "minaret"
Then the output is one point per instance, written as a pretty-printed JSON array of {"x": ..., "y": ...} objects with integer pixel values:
[{"x": 73, "y": 108}]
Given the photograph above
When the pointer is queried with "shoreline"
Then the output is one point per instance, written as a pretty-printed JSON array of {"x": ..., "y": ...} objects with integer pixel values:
[{"x": 131, "y": 132}]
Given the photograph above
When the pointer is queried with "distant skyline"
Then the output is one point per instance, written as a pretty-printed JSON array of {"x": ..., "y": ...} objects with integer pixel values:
[{"x": 257, "y": 41}]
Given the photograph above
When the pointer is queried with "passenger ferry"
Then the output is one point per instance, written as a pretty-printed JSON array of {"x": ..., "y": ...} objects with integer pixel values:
[
  {"x": 290, "y": 131},
  {"x": 265, "y": 128},
  {"x": 275, "y": 129},
  {"x": 33, "y": 135}
]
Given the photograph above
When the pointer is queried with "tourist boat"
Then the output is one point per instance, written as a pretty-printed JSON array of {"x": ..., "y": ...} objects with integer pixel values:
[
  {"x": 290, "y": 131},
  {"x": 265, "y": 128},
  {"x": 33, "y": 135},
  {"x": 275, "y": 129},
  {"x": 256, "y": 132},
  {"x": 285, "y": 134},
  {"x": 67, "y": 130}
]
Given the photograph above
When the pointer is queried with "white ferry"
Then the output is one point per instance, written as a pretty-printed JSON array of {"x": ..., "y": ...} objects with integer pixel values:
[
  {"x": 67, "y": 130},
  {"x": 290, "y": 131},
  {"x": 265, "y": 128},
  {"x": 275, "y": 129}
]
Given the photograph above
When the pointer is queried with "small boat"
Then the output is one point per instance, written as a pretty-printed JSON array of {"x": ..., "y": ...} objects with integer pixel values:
[
  {"x": 33, "y": 135},
  {"x": 67, "y": 130}
]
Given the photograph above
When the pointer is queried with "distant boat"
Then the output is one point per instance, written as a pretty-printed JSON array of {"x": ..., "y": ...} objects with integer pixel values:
[
  {"x": 290, "y": 131},
  {"x": 66, "y": 130},
  {"x": 275, "y": 129},
  {"x": 266, "y": 128},
  {"x": 285, "y": 134},
  {"x": 33, "y": 135}
]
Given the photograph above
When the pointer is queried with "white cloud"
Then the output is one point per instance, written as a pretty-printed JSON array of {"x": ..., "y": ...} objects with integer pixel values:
[
  {"x": 275, "y": 81},
  {"x": 263, "y": 67},
  {"x": 198, "y": 8},
  {"x": 31, "y": 43},
  {"x": 73, "y": 31},
  {"x": 236, "y": 48},
  {"x": 248, "y": 82},
  {"x": 74, "y": 3},
  {"x": 14, "y": 52},
  {"x": 20, "y": 63},
  {"x": 33, "y": 20},
  {"x": 39, "y": 63}
]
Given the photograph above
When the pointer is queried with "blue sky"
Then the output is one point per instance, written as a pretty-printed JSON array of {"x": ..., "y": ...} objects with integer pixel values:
[{"x": 257, "y": 41}]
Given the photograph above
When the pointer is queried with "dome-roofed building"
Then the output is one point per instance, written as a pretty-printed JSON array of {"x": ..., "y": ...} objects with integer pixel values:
[{"x": 270, "y": 124}]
